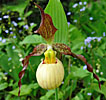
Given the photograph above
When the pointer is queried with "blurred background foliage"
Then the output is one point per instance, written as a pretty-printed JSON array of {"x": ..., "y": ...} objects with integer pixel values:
[{"x": 84, "y": 31}]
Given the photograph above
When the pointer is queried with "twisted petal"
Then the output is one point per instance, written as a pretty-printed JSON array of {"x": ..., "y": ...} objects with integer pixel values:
[
  {"x": 64, "y": 49},
  {"x": 38, "y": 50}
]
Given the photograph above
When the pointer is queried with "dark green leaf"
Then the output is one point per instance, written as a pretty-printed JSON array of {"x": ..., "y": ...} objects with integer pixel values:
[{"x": 20, "y": 6}]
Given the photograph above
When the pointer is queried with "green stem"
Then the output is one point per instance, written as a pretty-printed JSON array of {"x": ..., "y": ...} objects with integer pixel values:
[{"x": 56, "y": 94}]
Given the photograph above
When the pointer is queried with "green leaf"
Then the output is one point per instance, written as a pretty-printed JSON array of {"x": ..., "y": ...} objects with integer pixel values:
[
  {"x": 77, "y": 39},
  {"x": 14, "y": 55},
  {"x": 75, "y": 73},
  {"x": 8, "y": 66},
  {"x": 48, "y": 94},
  {"x": 6, "y": 43},
  {"x": 32, "y": 39},
  {"x": 20, "y": 6},
  {"x": 4, "y": 61},
  {"x": 56, "y": 11},
  {"x": 3, "y": 86},
  {"x": 69, "y": 88},
  {"x": 0, "y": 29},
  {"x": 98, "y": 98},
  {"x": 8, "y": 97},
  {"x": 79, "y": 72},
  {"x": 86, "y": 28},
  {"x": 103, "y": 66},
  {"x": 99, "y": 51},
  {"x": 28, "y": 13},
  {"x": 78, "y": 96},
  {"x": 99, "y": 27},
  {"x": 102, "y": 91},
  {"x": 60, "y": 95},
  {"x": 25, "y": 89}
]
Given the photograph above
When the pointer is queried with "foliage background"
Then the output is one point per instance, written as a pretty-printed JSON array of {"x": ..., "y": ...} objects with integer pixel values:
[{"x": 84, "y": 31}]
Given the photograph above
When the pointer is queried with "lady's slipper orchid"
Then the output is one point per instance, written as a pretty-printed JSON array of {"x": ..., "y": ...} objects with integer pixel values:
[{"x": 50, "y": 72}]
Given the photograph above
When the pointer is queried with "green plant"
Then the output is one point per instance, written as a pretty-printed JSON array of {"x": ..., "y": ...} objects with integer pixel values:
[
  {"x": 85, "y": 34},
  {"x": 47, "y": 31}
]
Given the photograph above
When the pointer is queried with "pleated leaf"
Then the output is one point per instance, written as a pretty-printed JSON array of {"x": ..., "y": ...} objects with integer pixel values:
[{"x": 56, "y": 11}]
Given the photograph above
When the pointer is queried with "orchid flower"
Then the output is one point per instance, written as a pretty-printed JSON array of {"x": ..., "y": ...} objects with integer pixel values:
[{"x": 50, "y": 72}]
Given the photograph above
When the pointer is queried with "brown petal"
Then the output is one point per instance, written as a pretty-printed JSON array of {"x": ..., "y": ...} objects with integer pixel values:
[
  {"x": 89, "y": 67},
  {"x": 38, "y": 50},
  {"x": 62, "y": 48},
  {"x": 46, "y": 29}
]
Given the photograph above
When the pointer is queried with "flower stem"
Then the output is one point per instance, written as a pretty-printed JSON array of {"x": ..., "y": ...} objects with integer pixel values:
[{"x": 56, "y": 94}]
